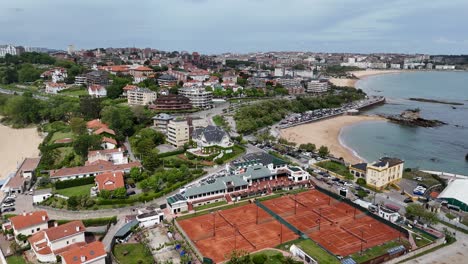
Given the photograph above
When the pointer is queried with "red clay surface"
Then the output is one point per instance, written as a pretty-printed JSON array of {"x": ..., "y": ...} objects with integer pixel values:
[
  {"x": 343, "y": 229},
  {"x": 235, "y": 228}
]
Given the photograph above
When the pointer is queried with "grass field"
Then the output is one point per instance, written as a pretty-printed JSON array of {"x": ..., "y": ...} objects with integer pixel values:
[
  {"x": 273, "y": 256},
  {"x": 210, "y": 205},
  {"x": 16, "y": 260},
  {"x": 336, "y": 167},
  {"x": 75, "y": 191},
  {"x": 313, "y": 250},
  {"x": 374, "y": 252},
  {"x": 132, "y": 254}
]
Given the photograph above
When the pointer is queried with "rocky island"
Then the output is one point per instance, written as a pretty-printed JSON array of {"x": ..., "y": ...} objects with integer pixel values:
[{"x": 412, "y": 117}]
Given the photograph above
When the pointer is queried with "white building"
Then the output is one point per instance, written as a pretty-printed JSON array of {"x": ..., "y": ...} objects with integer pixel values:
[
  {"x": 49, "y": 243},
  {"x": 97, "y": 90},
  {"x": 211, "y": 136},
  {"x": 116, "y": 156},
  {"x": 140, "y": 96},
  {"x": 41, "y": 195},
  {"x": 199, "y": 98},
  {"x": 384, "y": 172},
  {"x": 54, "y": 88},
  {"x": 318, "y": 86},
  {"x": 177, "y": 203},
  {"x": 445, "y": 67},
  {"x": 388, "y": 214},
  {"x": 7, "y": 49},
  {"x": 149, "y": 217}
]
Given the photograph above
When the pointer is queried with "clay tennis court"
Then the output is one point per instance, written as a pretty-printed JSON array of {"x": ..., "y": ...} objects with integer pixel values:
[
  {"x": 335, "y": 225},
  {"x": 217, "y": 234}
]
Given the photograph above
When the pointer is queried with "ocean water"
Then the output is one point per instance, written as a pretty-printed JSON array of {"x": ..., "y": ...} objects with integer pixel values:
[{"x": 441, "y": 148}]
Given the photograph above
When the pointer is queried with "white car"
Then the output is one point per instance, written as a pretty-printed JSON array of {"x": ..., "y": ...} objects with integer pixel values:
[
  {"x": 12, "y": 196},
  {"x": 8, "y": 204},
  {"x": 348, "y": 184}
]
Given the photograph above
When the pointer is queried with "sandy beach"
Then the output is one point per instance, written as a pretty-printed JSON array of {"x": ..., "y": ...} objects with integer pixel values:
[
  {"x": 15, "y": 145},
  {"x": 327, "y": 132},
  {"x": 360, "y": 75}
]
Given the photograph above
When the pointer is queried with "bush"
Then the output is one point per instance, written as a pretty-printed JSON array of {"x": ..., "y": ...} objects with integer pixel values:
[
  {"x": 361, "y": 181},
  {"x": 259, "y": 259},
  {"x": 73, "y": 183},
  {"x": 171, "y": 153}
]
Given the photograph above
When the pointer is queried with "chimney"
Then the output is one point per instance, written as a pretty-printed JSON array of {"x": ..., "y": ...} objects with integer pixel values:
[
  {"x": 55, "y": 224},
  {"x": 24, "y": 213},
  {"x": 43, "y": 218},
  {"x": 83, "y": 258},
  {"x": 77, "y": 228}
]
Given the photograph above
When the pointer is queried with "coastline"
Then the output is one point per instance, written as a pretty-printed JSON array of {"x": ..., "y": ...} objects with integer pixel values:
[
  {"x": 360, "y": 75},
  {"x": 17, "y": 144},
  {"x": 328, "y": 133}
]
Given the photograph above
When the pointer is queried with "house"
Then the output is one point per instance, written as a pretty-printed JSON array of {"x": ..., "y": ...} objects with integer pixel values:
[
  {"x": 161, "y": 121},
  {"x": 22, "y": 179},
  {"x": 49, "y": 243},
  {"x": 211, "y": 136},
  {"x": 91, "y": 170},
  {"x": 116, "y": 156},
  {"x": 97, "y": 90},
  {"x": 141, "y": 96},
  {"x": 104, "y": 131},
  {"x": 127, "y": 88},
  {"x": 97, "y": 78},
  {"x": 54, "y": 88},
  {"x": 171, "y": 102},
  {"x": 141, "y": 73},
  {"x": 108, "y": 143},
  {"x": 56, "y": 74},
  {"x": 177, "y": 203},
  {"x": 358, "y": 170},
  {"x": 149, "y": 216},
  {"x": 178, "y": 132},
  {"x": 95, "y": 124},
  {"x": 29, "y": 223},
  {"x": 229, "y": 76},
  {"x": 167, "y": 80},
  {"x": 92, "y": 253},
  {"x": 110, "y": 181},
  {"x": 115, "y": 69},
  {"x": 384, "y": 172}
]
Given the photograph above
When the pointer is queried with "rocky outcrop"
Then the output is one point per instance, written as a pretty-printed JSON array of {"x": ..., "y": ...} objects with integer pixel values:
[{"x": 412, "y": 117}]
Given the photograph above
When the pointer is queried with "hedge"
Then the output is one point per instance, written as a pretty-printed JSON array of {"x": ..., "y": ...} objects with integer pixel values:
[
  {"x": 93, "y": 221},
  {"x": 73, "y": 183},
  {"x": 171, "y": 153}
]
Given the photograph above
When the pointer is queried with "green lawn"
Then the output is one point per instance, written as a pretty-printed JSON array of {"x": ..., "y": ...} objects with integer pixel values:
[
  {"x": 76, "y": 191},
  {"x": 312, "y": 249},
  {"x": 210, "y": 205},
  {"x": 60, "y": 135},
  {"x": 421, "y": 241},
  {"x": 374, "y": 252},
  {"x": 132, "y": 254},
  {"x": 336, "y": 167},
  {"x": 273, "y": 256},
  {"x": 16, "y": 260}
]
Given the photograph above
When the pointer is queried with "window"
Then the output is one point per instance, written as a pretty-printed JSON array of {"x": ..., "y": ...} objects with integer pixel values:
[
  {"x": 38, "y": 229},
  {"x": 68, "y": 242}
]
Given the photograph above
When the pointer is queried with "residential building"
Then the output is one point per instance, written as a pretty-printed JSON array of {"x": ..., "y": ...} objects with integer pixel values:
[
  {"x": 127, "y": 88},
  {"x": 92, "y": 253},
  {"x": 22, "y": 179},
  {"x": 171, "y": 102},
  {"x": 149, "y": 216},
  {"x": 161, "y": 121},
  {"x": 358, "y": 170},
  {"x": 199, "y": 98},
  {"x": 318, "y": 86},
  {"x": 56, "y": 74},
  {"x": 29, "y": 223},
  {"x": 210, "y": 136},
  {"x": 95, "y": 124},
  {"x": 97, "y": 77},
  {"x": 140, "y": 96},
  {"x": 54, "y": 88},
  {"x": 178, "y": 132},
  {"x": 91, "y": 170},
  {"x": 8, "y": 49},
  {"x": 81, "y": 80},
  {"x": 116, "y": 69},
  {"x": 40, "y": 195},
  {"x": 48, "y": 243},
  {"x": 445, "y": 67},
  {"x": 108, "y": 143},
  {"x": 97, "y": 90},
  {"x": 384, "y": 172},
  {"x": 116, "y": 156},
  {"x": 289, "y": 82},
  {"x": 105, "y": 132},
  {"x": 229, "y": 76},
  {"x": 167, "y": 80},
  {"x": 296, "y": 90},
  {"x": 141, "y": 73},
  {"x": 110, "y": 181}
]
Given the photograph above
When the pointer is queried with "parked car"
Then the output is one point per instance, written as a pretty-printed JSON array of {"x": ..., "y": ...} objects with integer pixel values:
[
  {"x": 348, "y": 184},
  {"x": 9, "y": 209},
  {"x": 408, "y": 200},
  {"x": 8, "y": 204},
  {"x": 12, "y": 196},
  {"x": 9, "y": 200}
]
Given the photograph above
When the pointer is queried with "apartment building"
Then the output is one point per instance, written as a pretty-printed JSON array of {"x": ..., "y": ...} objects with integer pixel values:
[
  {"x": 171, "y": 102},
  {"x": 318, "y": 86},
  {"x": 384, "y": 172},
  {"x": 178, "y": 132},
  {"x": 161, "y": 121},
  {"x": 140, "y": 96},
  {"x": 199, "y": 97},
  {"x": 97, "y": 77}
]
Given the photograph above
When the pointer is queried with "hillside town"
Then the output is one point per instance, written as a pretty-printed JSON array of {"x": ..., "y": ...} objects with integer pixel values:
[{"x": 151, "y": 156}]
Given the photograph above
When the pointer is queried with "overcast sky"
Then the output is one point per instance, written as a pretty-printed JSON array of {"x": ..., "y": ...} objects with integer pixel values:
[{"x": 215, "y": 26}]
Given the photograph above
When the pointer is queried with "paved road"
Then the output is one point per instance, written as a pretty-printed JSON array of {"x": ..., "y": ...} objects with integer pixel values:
[
  {"x": 107, "y": 241},
  {"x": 457, "y": 253}
]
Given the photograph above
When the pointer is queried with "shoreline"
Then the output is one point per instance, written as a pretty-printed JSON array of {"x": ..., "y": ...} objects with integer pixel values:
[
  {"x": 361, "y": 75},
  {"x": 17, "y": 144},
  {"x": 328, "y": 133}
]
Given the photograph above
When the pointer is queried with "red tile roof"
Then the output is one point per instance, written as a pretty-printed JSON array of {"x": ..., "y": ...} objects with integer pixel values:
[
  {"x": 110, "y": 180},
  {"x": 65, "y": 230},
  {"x": 143, "y": 68},
  {"x": 109, "y": 140},
  {"x": 96, "y": 87},
  {"x": 129, "y": 87},
  {"x": 104, "y": 130},
  {"x": 84, "y": 253},
  {"x": 95, "y": 124},
  {"x": 29, "y": 164},
  {"x": 97, "y": 167},
  {"x": 29, "y": 219}
]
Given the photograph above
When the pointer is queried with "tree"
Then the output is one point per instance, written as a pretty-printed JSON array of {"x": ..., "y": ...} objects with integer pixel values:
[
  {"x": 120, "y": 193},
  {"x": 309, "y": 147},
  {"x": 136, "y": 174},
  {"x": 72, "y": 202},
  {"x": 90, "y": 107},
  {"x": 78, "y": 125},
  {"x": 151, "y": 161},
  {"x": 323, "y": 151},
  {"x": 119, "y": 119},
  {"x": 239, "y": 257},
  {"x": 116, "y": 88},
  {"x": 23, "y": 110},
  {"x": 105, "y": 194},
  {"x": 28, "y": 73},
  {"x": 85, "y": 142},
  {"x": 418, "y": 211}
]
